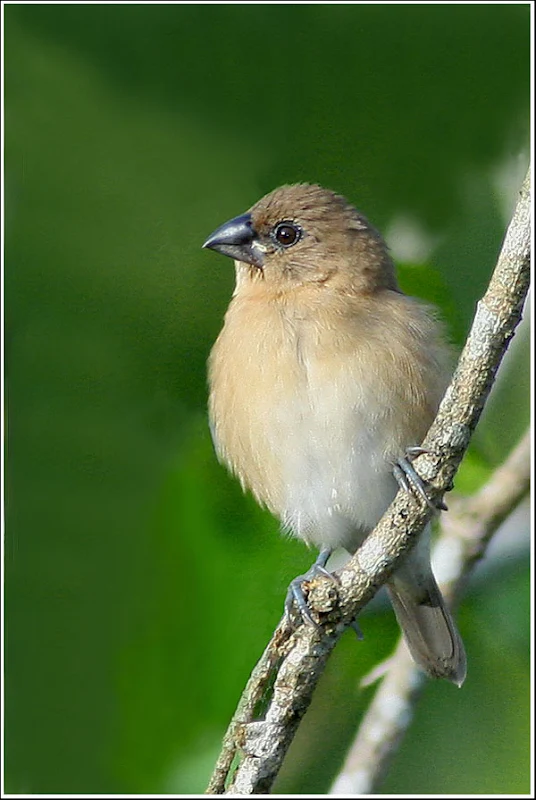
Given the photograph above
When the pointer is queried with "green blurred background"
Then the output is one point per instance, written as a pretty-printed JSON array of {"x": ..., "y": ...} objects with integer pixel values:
[{"x": 140, "y": 584}]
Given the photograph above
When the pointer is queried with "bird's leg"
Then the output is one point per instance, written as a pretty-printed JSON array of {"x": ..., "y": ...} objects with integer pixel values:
[
  {"x": 408, "y": 479},
  {"x": 354, "y": 625},
  {"x": 295, "y": 591}
]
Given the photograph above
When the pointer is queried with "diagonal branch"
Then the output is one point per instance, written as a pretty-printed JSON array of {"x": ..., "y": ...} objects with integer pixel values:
[
  {"x": 285, "y": 677},
  {"x": 465, "y": 534}
]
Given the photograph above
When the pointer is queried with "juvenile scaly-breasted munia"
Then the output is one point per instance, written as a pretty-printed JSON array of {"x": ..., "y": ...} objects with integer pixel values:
[{"x": 323, "y": 376}]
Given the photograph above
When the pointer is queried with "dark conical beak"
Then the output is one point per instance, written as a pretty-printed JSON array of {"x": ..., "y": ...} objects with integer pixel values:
[{"x": 237, "y": 240}]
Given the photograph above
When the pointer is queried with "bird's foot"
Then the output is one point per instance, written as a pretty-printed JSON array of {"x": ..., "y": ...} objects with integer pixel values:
[
  {"x": 295, "y": 592},
  {"x": 357, "y": 630},
  {"x": 408, "y": 478}
]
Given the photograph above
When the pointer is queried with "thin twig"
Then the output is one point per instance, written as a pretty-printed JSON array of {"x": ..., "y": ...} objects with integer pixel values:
[
  {"x": 291, "y": 665},
  {"x": 465, "y": 533}
]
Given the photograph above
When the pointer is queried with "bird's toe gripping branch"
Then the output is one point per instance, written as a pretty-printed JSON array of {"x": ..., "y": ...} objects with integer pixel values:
[
  {"x": 295, "y": 591},
  {"x": 409, "y": 480}
]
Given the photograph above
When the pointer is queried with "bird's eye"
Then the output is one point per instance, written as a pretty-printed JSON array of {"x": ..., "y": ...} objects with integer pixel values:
[{"x": 287, "y": 233}]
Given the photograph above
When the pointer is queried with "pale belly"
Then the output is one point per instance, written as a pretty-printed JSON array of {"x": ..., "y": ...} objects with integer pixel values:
[
  {"x": 337, "y": 478},
  {"x": 314, "y": 436},
  {"x": 318, "y": 453}
]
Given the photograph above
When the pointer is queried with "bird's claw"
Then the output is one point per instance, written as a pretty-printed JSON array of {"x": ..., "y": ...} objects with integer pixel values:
[
  {"x": 357, "y": 630},
  {"x": 408, "y": 478},
  {"x": 295, "y": 592}
]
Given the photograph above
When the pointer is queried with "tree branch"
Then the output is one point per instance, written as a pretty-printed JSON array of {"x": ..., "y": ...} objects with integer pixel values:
[
  {"x": 285, "y": 677},
  {"x": 466, "y": 531}
]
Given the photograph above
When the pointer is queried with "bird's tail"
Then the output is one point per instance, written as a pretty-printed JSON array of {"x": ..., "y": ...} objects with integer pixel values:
[{"x": 429, "y": 629}]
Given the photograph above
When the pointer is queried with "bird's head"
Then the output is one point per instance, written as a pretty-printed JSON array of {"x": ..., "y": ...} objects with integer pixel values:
[{"x": 304, "y": 234}]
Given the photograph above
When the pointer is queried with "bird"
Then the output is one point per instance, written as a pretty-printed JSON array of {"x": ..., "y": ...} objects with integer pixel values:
[{"x": 323, "y": 381}]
